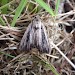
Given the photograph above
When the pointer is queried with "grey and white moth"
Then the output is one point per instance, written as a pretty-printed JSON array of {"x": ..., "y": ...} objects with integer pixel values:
[{"x": 35, "y": 37}]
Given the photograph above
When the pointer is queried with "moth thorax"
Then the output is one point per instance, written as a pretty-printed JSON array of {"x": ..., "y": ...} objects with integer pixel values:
[{"x": 37, "y": 25}]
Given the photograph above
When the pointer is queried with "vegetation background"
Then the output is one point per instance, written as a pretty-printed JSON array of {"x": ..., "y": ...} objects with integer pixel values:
[{"x": 59, "y": 20}]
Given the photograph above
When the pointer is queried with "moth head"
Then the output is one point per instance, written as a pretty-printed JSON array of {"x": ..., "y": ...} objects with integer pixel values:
[{"x": 37, "y": 22}]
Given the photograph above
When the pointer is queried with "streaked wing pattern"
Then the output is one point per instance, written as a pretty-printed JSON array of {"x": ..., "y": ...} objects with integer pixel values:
[{"x": 35, "y": 37}]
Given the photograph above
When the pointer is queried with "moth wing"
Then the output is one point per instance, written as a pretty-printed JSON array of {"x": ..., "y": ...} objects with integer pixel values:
[
  {"x": 25, "y": 42},
  {"x": 44, "y": 42}
]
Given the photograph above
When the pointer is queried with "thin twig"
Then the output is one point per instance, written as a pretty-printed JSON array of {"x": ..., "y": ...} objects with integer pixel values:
[{"x": 62, "y": 54}]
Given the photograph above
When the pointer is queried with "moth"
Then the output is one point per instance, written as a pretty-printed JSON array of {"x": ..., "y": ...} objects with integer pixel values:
[{"x": 35, "y": 37}]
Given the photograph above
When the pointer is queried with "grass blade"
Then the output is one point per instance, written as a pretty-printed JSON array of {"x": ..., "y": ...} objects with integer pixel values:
[
  {"x": 46, "y": 64},
  {"x": 51, "y": 67},
  {"x": 4, "y": 10},
  {"x": 45, "y": 6},
  {"x": 57, "y": 6},
  {"x": 7, "y": 54},
  {"x": 2, "y": 21},
  {"x": 6, "y": 5},
  {"x": 18, "y": 11}
]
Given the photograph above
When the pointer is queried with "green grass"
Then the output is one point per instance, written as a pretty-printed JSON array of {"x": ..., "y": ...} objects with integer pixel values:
[
  {"x": 57, "y": 7},
  {"x": 18, "y": 11},
  {"x": 46, "y": 64},
  {"x": 41, "y": 3},
  {"x": 4, "y": 10},
  {"x": 23, "y": 4},
  {"x": 45, "y": 6},
  {"x": 7, "y": 54},
  {"x": 2, "y": 22},
  {"x": 4, "y": 6}
]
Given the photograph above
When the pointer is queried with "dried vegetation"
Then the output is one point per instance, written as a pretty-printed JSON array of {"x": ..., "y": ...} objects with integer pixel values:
[{"x": 61, "y": 35}]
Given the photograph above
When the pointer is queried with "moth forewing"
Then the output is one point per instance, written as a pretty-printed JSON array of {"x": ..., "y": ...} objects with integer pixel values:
[
  {"x": 25, "y": 41},
  {"x": 45, "y": 41},
  {"x": 44, "y": 30}
]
